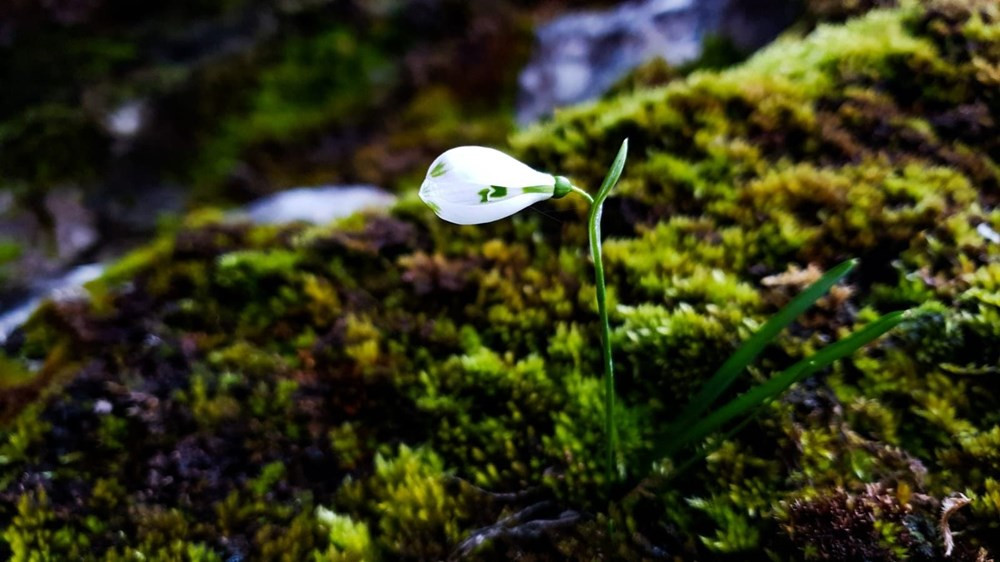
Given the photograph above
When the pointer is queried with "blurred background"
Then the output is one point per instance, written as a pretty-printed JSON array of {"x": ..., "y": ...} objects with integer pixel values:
[{"x": 116, "y": 117}]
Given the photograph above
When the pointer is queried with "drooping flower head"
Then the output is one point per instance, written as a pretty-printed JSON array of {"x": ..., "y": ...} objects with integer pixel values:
[{"x": 476, "y": 185}]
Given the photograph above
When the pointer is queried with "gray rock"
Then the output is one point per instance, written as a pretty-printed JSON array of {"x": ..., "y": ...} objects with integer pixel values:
[
  {"x": 69, "y": 285},
  {"x": 126, "y": 120},
  {"x": 317, "y": 205},
  {"x": 51, "y": 238},
  {"x": 73, "y": 223},
  {"x": 579, "y": 56}
]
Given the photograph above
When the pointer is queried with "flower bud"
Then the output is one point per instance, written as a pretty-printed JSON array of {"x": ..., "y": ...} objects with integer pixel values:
[{"x": 476, "y": 185}]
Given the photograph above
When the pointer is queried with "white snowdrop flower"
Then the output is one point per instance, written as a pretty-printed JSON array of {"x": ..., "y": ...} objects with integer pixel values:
[{"x": 476, "y": 185}]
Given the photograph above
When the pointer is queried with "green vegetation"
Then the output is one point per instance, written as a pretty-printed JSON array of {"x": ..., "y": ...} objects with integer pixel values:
[{"x": 390, "y": 386}]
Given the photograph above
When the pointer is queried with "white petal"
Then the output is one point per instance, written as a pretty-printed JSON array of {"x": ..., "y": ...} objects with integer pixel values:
[
  {"x": 479, "y": 213},
  {"x": 482, "y": 166},
  {"x": 459, "y": 180}
]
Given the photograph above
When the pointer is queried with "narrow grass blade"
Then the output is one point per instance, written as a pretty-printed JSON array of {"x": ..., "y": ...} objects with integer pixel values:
[
  {"x": 771, "y": 388},
  {"x": 683, "y": 467},
  {"x": 751, "y": 348},
  {"x": 614, "y": 173}
]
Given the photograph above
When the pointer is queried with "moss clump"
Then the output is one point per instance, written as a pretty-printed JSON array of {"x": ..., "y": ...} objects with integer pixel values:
[
  {"x": 392, "y": 385},
  {"x": 317, "y": 82},
  {"x": 350, "y": 541}
]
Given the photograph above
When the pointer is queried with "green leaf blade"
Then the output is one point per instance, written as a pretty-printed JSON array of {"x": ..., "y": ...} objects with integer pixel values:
[
  {"x": 755, "y": 344},
  {"x": 614, "y": 173},
  {"x": 774, "y": 386}
]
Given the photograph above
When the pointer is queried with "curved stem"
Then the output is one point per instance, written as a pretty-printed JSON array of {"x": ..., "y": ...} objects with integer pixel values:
[
  {"x": 602, "y": 310},
  {"x": 594, "y": 228},
  {"x": 582, "y": 193}
]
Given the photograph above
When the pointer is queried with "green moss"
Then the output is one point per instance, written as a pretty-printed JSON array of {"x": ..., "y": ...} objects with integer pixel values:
[
  {"x": 9, "y": 250},
  {"x": 137, "y": 261},
  {"x": 862, "y": 48},
  {"x": 350, "y": 541},
  {"x": 317, "y": 81},
  {"x": 736, "y": 533},
  {"x": 417, "y": 518},
  {"x": 12, "y": 372},
  {"x": 22, "y": 437},
  {"x": 38, "y": 534}
]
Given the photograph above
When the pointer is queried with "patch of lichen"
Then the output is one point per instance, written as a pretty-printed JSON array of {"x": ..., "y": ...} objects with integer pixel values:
[{"x": 391, "y": 385}]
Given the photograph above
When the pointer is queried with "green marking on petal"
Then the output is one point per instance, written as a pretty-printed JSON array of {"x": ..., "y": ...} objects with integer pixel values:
[
  {"x": 438, "y": 170},
  {"x": 434, "y": 207},
  {"x": 496, "y": 192},
  {"x": 488, "y": 195},
  {"x": 538, "y": 189}
]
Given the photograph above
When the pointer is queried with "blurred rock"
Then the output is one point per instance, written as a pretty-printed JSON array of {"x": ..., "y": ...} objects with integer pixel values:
[
  {"x": 126, "y": 120},
  {"x": 317, "y": 204},
  {"x": 51, "y": 237},
  {"x": 68, "y": 285},
  {"x": 73, "y": 223},
  {"x": 580, "y": 56}
]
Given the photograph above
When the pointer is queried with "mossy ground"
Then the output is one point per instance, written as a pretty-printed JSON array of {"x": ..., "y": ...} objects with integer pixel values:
[{"x": 386, "y": 386}]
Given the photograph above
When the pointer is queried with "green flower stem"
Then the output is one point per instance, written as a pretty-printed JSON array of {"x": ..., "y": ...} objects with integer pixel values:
[
  {"x": 582, "y": 193},
  {"x": 594, "y": 225},
  {"x": 609, "y": 372}
]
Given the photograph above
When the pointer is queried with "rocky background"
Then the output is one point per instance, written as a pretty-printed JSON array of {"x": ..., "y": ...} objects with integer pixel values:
[{"x": 389, "y": 386}]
